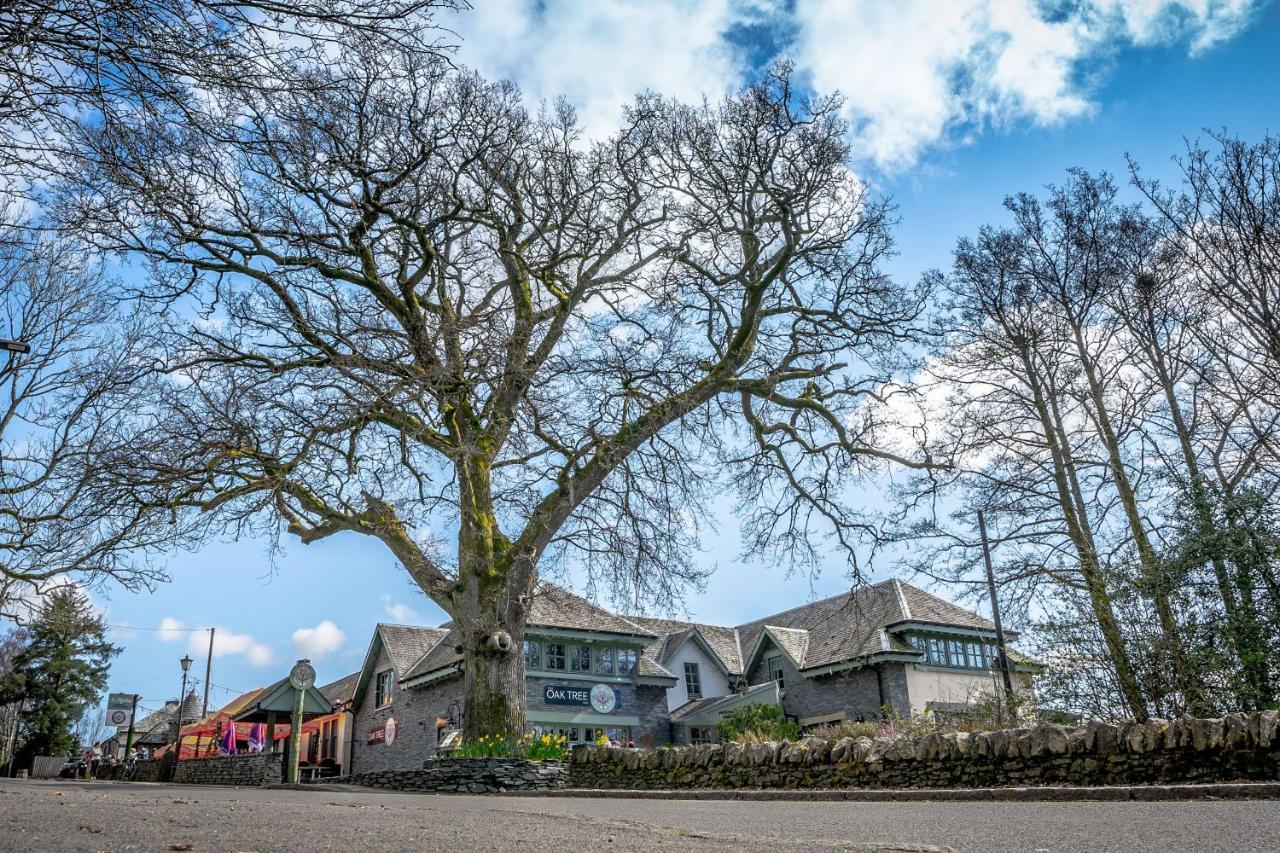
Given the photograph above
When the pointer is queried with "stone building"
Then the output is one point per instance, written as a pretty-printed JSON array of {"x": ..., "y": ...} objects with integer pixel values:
[{"x": 591, "y": 673}]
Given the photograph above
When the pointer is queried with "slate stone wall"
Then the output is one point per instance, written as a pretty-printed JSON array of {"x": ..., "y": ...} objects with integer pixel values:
[
  {"x": 1236, "y": 747},
  {"x": 151, "y": 770},
  {"x": 262, "y": 768},
  {"x": 468, "y": 775},
  {"x": 859, "y": 693}
]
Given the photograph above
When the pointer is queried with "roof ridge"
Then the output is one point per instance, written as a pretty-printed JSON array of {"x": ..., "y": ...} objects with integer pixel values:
[{"x": 848, "y": 594}]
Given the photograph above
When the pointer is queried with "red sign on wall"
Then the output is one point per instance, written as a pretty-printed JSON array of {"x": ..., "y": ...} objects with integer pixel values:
[{"x": 378, "y": 735}]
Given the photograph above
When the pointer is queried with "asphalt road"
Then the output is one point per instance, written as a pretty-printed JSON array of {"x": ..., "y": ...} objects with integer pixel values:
[{"x": 110, "y": 816}]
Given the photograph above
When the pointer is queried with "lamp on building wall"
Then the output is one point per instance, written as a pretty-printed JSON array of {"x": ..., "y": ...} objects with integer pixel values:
[{"x": 454, "y": 713}]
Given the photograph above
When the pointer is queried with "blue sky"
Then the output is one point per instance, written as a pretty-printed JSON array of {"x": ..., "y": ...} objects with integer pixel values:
[{"x": 952, "y": 113}]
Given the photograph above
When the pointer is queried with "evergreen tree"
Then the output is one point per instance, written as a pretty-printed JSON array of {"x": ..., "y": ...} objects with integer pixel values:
[{"x": 61, "y": 672}]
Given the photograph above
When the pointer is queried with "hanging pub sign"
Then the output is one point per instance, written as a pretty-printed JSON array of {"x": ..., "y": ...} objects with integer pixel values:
[
  {"x": 385, "y": 733},
  {"x": 600, "y": 697}
]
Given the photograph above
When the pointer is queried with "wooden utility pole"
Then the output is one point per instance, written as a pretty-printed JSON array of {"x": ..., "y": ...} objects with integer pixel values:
[
  {"x": 1001, "y": 650},
  {"x": 208, "y": 673}
]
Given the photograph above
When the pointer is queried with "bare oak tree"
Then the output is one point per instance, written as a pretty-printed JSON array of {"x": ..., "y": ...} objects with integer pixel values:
[{"x": 432, "y": 313}]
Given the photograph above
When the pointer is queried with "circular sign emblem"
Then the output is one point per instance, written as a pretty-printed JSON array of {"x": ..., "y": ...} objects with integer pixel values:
[
  {"x": 603, "y": 699},
  {"x": 117, "y": 718},
  {"x": 303, "y": 675},
  {"x": 391, "y": 730}
]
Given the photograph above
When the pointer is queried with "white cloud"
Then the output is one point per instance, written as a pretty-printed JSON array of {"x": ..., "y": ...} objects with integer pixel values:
[
  {"x": 225, "y": 642},
  {"x": 916, "y": 73},
  {"x": 171, "y": 630},
  {"x": 319, "y": 641},
  {"x": 919, "y": 72},
  {"x": 399, "y": 611},
  {"x": 599, "y": 55}
]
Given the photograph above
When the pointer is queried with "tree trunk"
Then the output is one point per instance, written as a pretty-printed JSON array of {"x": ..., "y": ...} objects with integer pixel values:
[
  {"x": 1082, "y": 538},
  {"x": 1242, "y": 622},
  {"x": 1153, "y": 572}
]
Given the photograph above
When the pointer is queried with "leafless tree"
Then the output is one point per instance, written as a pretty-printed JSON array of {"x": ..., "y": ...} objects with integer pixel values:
[
  {"x": 60, "y": 58},
  {"x": 432, "y": 313},
  {"x": 67, "y": 412}
]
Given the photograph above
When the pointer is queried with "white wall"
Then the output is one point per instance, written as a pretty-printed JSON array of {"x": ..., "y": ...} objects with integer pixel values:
[
  {"x": 936, "y": 685},
  {"x": 714, "y": 682}
]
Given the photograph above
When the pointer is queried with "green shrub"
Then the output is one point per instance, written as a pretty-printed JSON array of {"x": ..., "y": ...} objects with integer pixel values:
[{"x": 757, "y": 723}]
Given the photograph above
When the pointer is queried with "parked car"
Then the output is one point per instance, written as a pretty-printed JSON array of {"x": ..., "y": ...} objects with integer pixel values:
[{"x": 73, "y": 769}]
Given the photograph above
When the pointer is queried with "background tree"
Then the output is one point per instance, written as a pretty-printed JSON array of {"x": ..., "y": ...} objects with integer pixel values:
[
  {"x": 1095, "y": 395},
  {"x": 59, "y": 674},
  {"x": 67, "y": 415},
  {"x": 434, "y": 314}
]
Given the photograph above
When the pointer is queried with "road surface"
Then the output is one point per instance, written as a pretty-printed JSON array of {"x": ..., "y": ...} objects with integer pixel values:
[{"x": 112, "y": 816}]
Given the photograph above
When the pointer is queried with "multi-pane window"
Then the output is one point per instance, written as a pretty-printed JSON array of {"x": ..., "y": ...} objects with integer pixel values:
[
  {"x": 627, "y": 659},
  {"x": 579, "y": 658},
  {"x": 692, "y": 680},
  {"x": 382, "y": 689},
  {"x": 604, "y": 661},
  {"x": 775, "y": 671},
  {"x": 553, "y": 657},
  {"x": 532, "y": 655},
  {"x": 954, "y": 653},
  {"x": 700, "y": 735}
]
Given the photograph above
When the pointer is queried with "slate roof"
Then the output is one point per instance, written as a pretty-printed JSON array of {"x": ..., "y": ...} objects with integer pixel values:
[
  {"x": 556, "y": 607},
  {"x": 852, "y": 625},
  {"x": 841, "y": 628},
  {"x": 406, "y": 644},
  {"x": 723, "y": 640},
  {"x": 342, "y": 690}
]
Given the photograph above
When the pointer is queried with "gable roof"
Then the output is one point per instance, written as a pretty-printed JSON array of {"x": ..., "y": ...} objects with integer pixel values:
[
  {"x": 722, "y": 640},
  {"x": 406, "y": 644}
]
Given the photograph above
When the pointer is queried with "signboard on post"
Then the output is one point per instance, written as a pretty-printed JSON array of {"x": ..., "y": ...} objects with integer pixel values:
[{"x": 120, "y": 709}]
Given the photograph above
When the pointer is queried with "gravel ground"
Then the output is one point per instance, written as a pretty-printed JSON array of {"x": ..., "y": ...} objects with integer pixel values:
[{"x": 107, "y": 816}]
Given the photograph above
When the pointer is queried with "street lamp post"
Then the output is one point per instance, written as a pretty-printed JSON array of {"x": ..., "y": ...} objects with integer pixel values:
[
  {"x": 15, "y": 346},
  {"x": 182, "y": 698}
]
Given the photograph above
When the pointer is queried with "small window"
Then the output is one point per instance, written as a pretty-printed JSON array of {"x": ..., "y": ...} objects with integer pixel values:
[
  {"x": 627, "y": 659},
  {"x": 604, "y": 661},
  {"x": 532, "y": 655},
  {"x": 775, "y": 672},
  {"x": 975, "y": 657},
  {"x": 692, "y": 680},
  {"x": 935, "y": 652},
  {"x": 553, "y": 658},
  {"x": 382, "y": 689},
  {"x": 700, "y": 735},
  {"x": 579, "y": 658}
]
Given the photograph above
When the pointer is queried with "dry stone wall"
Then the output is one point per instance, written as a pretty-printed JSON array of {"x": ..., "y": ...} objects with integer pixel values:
[
  {"x": 1235, "y": 747},
  {"x": 468, "y": 775},
  {"x": 264, "y": 768}
]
